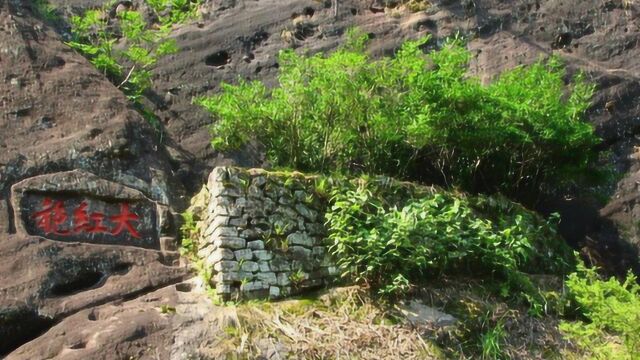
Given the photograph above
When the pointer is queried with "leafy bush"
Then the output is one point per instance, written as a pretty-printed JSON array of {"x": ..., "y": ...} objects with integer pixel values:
[
  {"x": 95, "y": 37},
  {"x": 412, "y": 115},
  {"x": 389, "y": 243},
  {"x": 612, "y": 312}
]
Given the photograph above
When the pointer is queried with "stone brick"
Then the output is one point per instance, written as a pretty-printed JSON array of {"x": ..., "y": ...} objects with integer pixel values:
[
  {"x": 226, "y": 266},
  {"x": 274, "y": 292},
  {"x": 253, "y": 286},
  {"x": 244, "y": 254},
  {"x": 319, "y": 251},
  {"x": 252, "y": 234},
  {"x": 231, "y": 242},
  {"x": 264, "y": 266},
  {"x": 280, "y": 263},
  {"x": 315, "y": 229},
  {"x": 267, "y": 277},
  {"x": 262, "y": 254},
  {"x": 223, "y": 289},
  {"x": 225, "y": 231},
  {"x": 256, "y": 245},
  {"x": 232, "y": 276},
  {"x": 309, "y": 214},
  {"x": 283, "y": 279},
  {"x": 219, "y": 255},
  {"x": 239, "y": 222},
  {"x": 250, "y": 266},
  {"x": 299, "y": 238},
  {"x": 259, "y": 181},
  {"x": 300, "y": 253}
]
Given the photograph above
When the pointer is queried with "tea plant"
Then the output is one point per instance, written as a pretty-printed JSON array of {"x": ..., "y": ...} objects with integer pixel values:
[
  {"x": 389, "y": 244},
  {"x": 416, "y": 115},
  {"x": 612, "y": 312}
]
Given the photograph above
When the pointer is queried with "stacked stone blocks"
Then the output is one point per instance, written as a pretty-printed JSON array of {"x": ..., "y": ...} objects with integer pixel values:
[{"x": 264, "y": 234}]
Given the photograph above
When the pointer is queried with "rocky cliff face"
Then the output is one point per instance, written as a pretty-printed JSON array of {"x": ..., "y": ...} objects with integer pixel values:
[{"x": 58, "y": 113}]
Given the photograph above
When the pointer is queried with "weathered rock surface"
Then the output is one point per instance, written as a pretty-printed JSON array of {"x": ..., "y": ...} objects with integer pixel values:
[
  {"x": 171, "y": 323},
  {"x": 44, "y": 281},
  {"x": 57, "y": 113}
]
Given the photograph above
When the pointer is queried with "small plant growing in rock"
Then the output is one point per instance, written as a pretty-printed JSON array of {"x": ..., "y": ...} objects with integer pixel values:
[{"x": 296, "y": 278}]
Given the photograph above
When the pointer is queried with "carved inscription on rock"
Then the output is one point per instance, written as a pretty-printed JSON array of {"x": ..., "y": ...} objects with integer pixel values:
[
  {"x": 77, "y": 206},
  {"x": 89, "y": 219}
]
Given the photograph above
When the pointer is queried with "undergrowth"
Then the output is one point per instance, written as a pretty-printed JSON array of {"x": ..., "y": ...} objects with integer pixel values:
[
  {"x": 125, "y": 46},
  {"x": 390, "y": 238},
  {"x": 610, "y": 328}
]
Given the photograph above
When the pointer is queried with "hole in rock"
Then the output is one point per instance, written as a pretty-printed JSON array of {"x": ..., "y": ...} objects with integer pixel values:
[
  {"x": 19, "y": 326},
  {"x": 184, "y": 287},
  {"x": 220, "y": 58},
  {"x": 304, "y": 31},
  {"x": 93, "y": 316},
  {"x": 82, "y": 281},
  {"x": 78, "y": 345},
  {"x": 354, "y": 11},
  {"x": 308, "y": 11},
  {"x": 121, "y": 268}
]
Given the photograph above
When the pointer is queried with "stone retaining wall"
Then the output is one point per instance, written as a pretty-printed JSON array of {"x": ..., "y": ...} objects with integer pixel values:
[{"x": 263, "y": 234}]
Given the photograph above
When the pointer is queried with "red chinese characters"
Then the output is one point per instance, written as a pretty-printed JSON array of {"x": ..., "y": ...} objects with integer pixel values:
[{"x": 52, "y": 219}]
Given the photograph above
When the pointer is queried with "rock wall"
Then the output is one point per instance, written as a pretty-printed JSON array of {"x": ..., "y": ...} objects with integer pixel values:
[{"x": 263, "y": 234}]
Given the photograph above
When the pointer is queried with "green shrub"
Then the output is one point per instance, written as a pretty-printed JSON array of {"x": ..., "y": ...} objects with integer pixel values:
[
  {"x": 389, "y": 243},
  {"x": 612, "y": 313},
  {"x": 128, "y": 67},
  {"x": 414, "y": 114}
]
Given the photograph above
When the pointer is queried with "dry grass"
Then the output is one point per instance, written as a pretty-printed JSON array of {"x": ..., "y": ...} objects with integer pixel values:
[{"x": 343, "y": 324}]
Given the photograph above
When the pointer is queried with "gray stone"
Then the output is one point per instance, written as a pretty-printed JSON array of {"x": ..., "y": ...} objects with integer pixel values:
[
  {"x": 250, "y": 266},
  {"x": 225, "y": 231},
  {"x": 253, "y": 286},
  {"x": 254, "y": 192},
  {"x": 217, "y": 176},
  {"x": 262, "y": 254},
  {"x": 274, "y": 292},
  {"x": 332, "y": 270},
  {"x": 219, "y": 255},
  {"x": 226, "y": 266},
  {"x": 418, "y": 313},
  {"x": 267, "y": 277},
  {"x": 300, "y": 195},
  {"x": 300, "y": 223},
  {"x": 280, "y": 263},
  {"x": 315, "y": 229},
  {"x": 300, "y": 253},
  {"x": 244, "y": 254},
  {"x": 215, "y": 223},
  {"x": 227, "y": 210},
  {"x": 231, "y": 242},
  {"x": 206, "y": 251},
  {"x": 264, "y": 266},
  {"x": 227, "y": 191},
  {"x": 269, "y": 205},
  {"x": 319, "y": 251},
  {"x": 259, "y": 181},
  {"x": 299, "y": 238},
  {"x": 223, "y": 289},
  {"x": 232, "y": 276},
  {"x": 287, "y": 211},
  {"x": 256, "y": 245},
  {"x": 241, "y": 202},
  {"x": 285, "y": 200},
  {"x": 309, "y": 214},
  {"x": 283, "y": 279},
  {"x": 239, "y": 222},
  {"x": 252, "y": 234}
]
